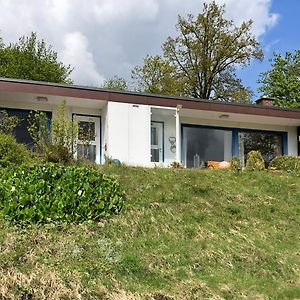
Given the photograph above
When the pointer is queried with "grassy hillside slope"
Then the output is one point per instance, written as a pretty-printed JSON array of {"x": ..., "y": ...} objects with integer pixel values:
[{"x": 184, "y": 234}]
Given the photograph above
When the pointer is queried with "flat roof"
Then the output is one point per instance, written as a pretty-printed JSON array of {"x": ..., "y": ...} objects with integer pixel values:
[{"x": 94, "y": 93}]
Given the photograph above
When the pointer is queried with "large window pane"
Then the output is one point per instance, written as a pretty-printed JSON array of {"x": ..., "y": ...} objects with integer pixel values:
[
  {"x": 86, "y": 131},
  {"x": 205, "y": 144},
  {"x": 21, "y": 131},
  {"x": 154, "y": 136},
  {"x": 269, "y": 145}
]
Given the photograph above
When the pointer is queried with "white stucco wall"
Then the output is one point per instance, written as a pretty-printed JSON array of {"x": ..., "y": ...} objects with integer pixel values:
[
  {"x": 128, "y": 133},
  {"x": 292, "y": 141}
]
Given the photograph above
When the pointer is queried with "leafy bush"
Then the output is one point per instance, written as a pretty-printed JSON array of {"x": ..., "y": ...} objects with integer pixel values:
[
  {"x": 51, "y": 192},
  {"x": 58, "y": 143},
  {"x": 255, "y": 161},
  {"x": 12, "y": 153},
  {"x": 58, "y": 154},
  {"x": 8, "y": 123},
  {"x": 286, "y": 163},
  {"x": 235, "y": 163}
]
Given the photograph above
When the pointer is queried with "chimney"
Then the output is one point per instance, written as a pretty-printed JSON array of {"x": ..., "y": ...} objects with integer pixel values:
[{"x": 265, "y": 101}]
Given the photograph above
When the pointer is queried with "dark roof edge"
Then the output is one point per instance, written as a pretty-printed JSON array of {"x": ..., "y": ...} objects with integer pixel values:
[{"x": 111, "y": 96}]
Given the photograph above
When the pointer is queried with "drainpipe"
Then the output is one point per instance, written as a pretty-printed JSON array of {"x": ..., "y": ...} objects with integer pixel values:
[{"x": 178, "y": 152}]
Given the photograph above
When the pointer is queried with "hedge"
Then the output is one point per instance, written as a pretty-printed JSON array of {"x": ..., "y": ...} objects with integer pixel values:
[{"x": 12, "y": 153}]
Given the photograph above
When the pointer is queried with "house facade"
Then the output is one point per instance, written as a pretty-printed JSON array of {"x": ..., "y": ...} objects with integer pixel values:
[{"x": 148, "y": 130}]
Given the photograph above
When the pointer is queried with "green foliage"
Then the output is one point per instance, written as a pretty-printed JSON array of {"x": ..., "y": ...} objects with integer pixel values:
[
  {"x": 58, "y": 143},
  {"x": 157, "y": 76},
  {"x": 8, "y": 123},
  {"x": 31, "y": 59},
  {"x": 116, "y": 83},
  {"x": 201, "y": 60},
  {"x": 12, "y": 153},
  {"x": 64, "y": 130},
  {"x": 230, "y": 89},
  {"x": 235, "y": 163},
  {"x": 285, "y": 163},
  {"x": 39, "y": 131},
  {"x": 58, "y": 154},
  {"x": 255, "y": 161},
  {"x": 51, "y": 192},
  {"x": 282, "y": 81}
]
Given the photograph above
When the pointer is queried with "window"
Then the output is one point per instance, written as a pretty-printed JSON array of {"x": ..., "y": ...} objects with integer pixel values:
[
  {"x": 21, "y": 131},
  {"x": 202, "y": 144},
  {"x": 268, "y": 144}
]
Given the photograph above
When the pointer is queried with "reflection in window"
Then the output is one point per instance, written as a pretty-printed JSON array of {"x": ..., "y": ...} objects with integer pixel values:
[
  {"x": 87, "y": 151},
  {"x": 21, "y": 131},
  {"x": 155, "y": 155},
  {"x": 269, "y": 145},
  {"x": 154, "y": 136},
  {"x": 203, "y": 144},
  {"x": 86, "y": 131}
]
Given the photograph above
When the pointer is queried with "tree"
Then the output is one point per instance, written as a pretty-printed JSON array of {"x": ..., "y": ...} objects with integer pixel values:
[
  {"x": 282, "y": 81},
  {"x": 157, "y": 76},
  {"x": 231, "y": 89},
  {"x": 31, "y": 59},
  {"x": 206, "y": 52},
  {"x": 116, "y": 83}
]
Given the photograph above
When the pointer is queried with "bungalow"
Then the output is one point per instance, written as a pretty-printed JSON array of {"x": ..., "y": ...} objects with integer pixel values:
[{"x": 146, "y": 130}]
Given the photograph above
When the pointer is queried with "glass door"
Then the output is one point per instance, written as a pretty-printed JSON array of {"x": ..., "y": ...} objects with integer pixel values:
[
  {"x": 88, "y": 140},
  {"x": 156, "y": 142}
]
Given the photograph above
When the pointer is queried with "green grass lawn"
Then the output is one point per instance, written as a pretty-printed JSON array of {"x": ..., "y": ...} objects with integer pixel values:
[{"x": 183, "y": 234}]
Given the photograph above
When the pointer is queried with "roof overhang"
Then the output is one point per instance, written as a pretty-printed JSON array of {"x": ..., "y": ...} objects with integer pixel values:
[{"x": 91, "y": 93}]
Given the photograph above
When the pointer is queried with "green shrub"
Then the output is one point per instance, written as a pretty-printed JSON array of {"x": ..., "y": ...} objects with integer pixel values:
[
  {"x": 12, "y": 153},
  {"x": 235, "y": 163},
  {"x": 58, "y": 142},
  {"x": 52, "y": 192},
  {"x": 255, "y": 161},
  {"x": 58, "y": 154},
  {"x": 286, "y": 163},
  {"x": 8, "y": 123}
]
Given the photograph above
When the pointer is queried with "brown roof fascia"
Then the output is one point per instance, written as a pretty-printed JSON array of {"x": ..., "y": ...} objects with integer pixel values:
[{"x": 139, "y": 98}]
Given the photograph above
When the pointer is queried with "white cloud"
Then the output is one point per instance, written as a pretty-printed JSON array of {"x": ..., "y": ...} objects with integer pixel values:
[
  {"x": 256, "y": 10},
  {"x": 101, "y": 38},
  {"x": 76, "y": 53}
]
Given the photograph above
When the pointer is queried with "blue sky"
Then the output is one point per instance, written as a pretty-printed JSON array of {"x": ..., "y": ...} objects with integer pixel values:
[{"x": 283, "y": 36}]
